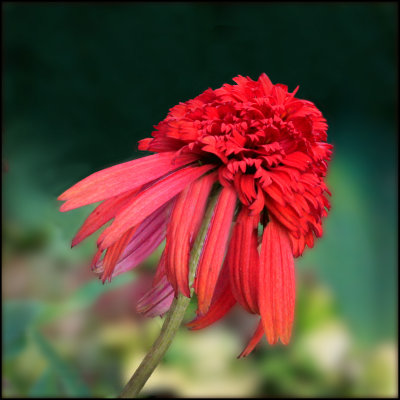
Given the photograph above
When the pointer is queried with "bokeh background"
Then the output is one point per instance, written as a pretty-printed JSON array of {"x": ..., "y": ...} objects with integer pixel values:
[{"x": 82, "y": 83}]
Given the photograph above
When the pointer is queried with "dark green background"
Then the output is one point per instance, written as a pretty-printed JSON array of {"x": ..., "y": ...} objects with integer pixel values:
[{"x": 82, "y": 83}]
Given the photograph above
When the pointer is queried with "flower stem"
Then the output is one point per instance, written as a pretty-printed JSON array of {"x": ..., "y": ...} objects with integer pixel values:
[
  {"x": 159, "y": 348},
  {"x": 174, "y": 316}
]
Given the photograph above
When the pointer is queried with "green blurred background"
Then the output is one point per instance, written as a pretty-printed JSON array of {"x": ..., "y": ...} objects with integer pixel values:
[{"x": 82, "y": 83}]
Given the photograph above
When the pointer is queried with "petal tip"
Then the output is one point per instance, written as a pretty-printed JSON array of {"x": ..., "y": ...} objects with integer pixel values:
[
  {"x": 63, "y": 196},
  {"x": 64, "y": 207}
]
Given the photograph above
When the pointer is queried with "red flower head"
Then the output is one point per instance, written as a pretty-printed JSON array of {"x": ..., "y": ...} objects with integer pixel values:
[{"x": 265, "y": 151}]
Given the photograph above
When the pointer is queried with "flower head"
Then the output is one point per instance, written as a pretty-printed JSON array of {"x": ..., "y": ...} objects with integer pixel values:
[{"x": 265, "y": 153}]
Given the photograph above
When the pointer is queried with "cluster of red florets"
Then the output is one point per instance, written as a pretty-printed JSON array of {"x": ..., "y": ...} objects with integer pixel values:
[
  {"x": 270, "y": 145},
  {"x": 268, "y": 150}
]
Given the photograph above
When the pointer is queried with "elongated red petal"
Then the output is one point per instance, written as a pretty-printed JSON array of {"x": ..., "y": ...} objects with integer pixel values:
[
  {"x": 114, "y": 252},
  {"x": 96, "y": 259},
  {"x": 103, "y": 213},
  {"x": 120, "y": 178},
  {"x": 277, "y": 283},
  {"x": 149, "y": 200},
  {"x": 214, "y": 248},
  {"x": 258, "y": 334},
  {"x": 185, "y": 222},
  {"x": 147, "y": 237},
  {"x": 244, "y": 260},
  {"x": 222, "y": 302}
]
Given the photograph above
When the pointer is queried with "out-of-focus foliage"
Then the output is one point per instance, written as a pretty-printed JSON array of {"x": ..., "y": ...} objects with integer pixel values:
[{"x": 83, "y": 83}]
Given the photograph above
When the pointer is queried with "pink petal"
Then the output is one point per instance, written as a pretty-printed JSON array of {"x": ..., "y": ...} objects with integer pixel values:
[
  {"x": 157, "y": 300},
  {"x": 147, "y": 237},
  {"x": 120, "y": 178},
  {"x": 103, "y": 213},
  {"x": 114, "y": 252},
  {"x": 148, "y": 200}
]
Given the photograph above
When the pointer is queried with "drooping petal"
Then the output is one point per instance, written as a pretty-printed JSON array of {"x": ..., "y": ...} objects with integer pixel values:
[
  {"x": 298, "y": 245},
  {"x": 214, "y": 248},
  {"x": 185, "y": 222},
  {"x": 244, "y": 260},
  {"x": 140, "y": 254},
  {"x": 157, "y": 300},
  {"x": 103, "y": 213},
  {"x": 152, "y": 226},
  {"x": 146, "y": 238},
  {"x": 114, "y": 252},
  {"x": 267, "y": 146},
  {"x": 148, "y": 200},
  {"x": 221, "y": 303},
  {"x": 96, "y": 259},
  {"x": 284, "y": 215},
  {"x": 258, "y": 334},
  {"x": 276, "y": 295},
  {"x": 120, "y": 178}
]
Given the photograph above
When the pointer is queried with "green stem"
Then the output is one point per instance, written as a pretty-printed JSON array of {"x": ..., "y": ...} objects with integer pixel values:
[
  {"x": 159, "y": 348},
  {"x": 174, "y": 316}
]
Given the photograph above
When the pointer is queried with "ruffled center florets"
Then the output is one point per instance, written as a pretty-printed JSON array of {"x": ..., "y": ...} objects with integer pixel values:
[{"x": 268, "y": 144}]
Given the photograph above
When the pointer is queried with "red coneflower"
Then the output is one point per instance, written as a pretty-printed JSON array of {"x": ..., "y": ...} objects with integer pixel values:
[{"x": 263, "y": 153}]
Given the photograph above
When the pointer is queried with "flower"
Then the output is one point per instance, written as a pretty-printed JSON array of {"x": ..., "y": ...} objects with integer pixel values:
[{"x": 265, "y": 151}]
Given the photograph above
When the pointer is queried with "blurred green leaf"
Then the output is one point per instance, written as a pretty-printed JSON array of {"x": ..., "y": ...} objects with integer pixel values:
[
  {"x": 84, "y": 297},
  {"x": 315, "y": 305},
  {"x": 46, "y": 385},
  {"x": 59, "y": 374},
  {"x": 17, "y": 317},
  {"x": 91, "y": 291}
]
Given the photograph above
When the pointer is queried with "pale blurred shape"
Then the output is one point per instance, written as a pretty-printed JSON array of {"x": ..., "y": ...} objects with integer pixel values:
[
  {"x": 207, "y": 370},
  {"x": 328, "y": 345},
  {"x": 381, "y": 371}
]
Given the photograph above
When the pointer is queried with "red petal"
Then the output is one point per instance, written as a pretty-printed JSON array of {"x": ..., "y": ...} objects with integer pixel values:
[
  {"x": 148, "y": 236},
  {"x": 258, "y": 334},
  {"x": 120, "y": 178},
  {"x": 244, "y": 260},
  {"x": 222, "y": 302},
  {"x": 283, "y": 214},
  {"x": 150, "y": 200},
  {"x": 297, "y": 160},
  {"x": 214, "y": 248},
  {"x": 102, "y": 214},
  {"x": 298, "y": 245},
  {"x": 248, "y": 188},
  {"x": 258, "y": 204},
  {"x": 185, "y": 222},
  {"x": 266, "y": 83},
  {"x": 113, "y": 253},
  {"x": 144, "y": 144},
  {"x": 276, "y": 284},
  {"x": 96, "y": 258}
]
